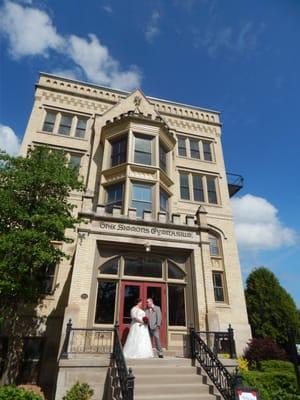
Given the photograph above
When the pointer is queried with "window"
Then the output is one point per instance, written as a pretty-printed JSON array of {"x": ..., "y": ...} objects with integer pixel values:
[
  {"x": 218, "y": 282},
  {"x": 49, "y": 121},
  {"x": 141, "y": 198},
  {"x": 214, "y": 246},
  {"x": 204, "y": 188},
  {"x": 143, "y": 266},
  {"x": 119, "y": 151},
  {"x": 111, "y": 267},
  {"x": 114, "y": 196},
  {"x": 81, "y": 127},
  {"x": 211, "y": 190},
  {"x": 105, "y": 306},
  {"x": 182, "y": 146},
  {"x": 75, "y": 162},
  {"x": 176, "y": 305},
  {"x": 174, "y": 272},
  {"x": 162, "y": 158},
  {"x": 142, "y": 150},
  {"x": 207, "y": 151},
  {"x": 31, "y": 360},
  {"x": 184, "y": 186},
  {"x": 198, "y": 188},
  {"x": 163, "y": 201},
  {"x": 65, "y": 125},
  {"x": 49, "y": 278},
  {"x": 194, "y": 145}
]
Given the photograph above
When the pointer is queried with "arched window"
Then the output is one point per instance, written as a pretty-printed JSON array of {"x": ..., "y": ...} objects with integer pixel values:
[
  {"x": 174, "y": 272},
  {"x": 214, "y": 246},
  {"x": 111, "y": 267}
]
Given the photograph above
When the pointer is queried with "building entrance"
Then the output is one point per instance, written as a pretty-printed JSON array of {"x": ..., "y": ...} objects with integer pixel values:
[{"x": 129, "y": 292}]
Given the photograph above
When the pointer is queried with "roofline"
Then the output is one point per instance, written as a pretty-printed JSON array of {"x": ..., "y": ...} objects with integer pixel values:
[{"x": 126, "y": 92}]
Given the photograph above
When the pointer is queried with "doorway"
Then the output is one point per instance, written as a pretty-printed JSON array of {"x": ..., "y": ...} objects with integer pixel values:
[{"x": 129, "y": 293}]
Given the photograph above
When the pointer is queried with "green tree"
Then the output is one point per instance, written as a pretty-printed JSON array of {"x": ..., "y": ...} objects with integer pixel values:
[
  {"x": 271, "y": 310},
  {"x": 34, "y": 213}
]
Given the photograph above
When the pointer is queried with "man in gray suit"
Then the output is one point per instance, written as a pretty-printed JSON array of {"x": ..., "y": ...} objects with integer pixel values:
[{"x": 153, "y": 313}]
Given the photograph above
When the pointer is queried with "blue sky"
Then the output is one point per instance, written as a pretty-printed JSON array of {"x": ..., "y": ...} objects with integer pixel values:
[{"x": 239, "y": 57}]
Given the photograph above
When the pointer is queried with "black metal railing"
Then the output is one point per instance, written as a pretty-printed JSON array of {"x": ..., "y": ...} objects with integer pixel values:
[
  {"x": 86, "y": 340},
  {"x": 124, "y": 374},
  {"x": 220, "y": 342},
  {"x": 213, "y": 367}
]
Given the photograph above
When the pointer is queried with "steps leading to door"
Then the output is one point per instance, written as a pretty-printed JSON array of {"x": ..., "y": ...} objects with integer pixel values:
[{"x": 169, "y": 378}]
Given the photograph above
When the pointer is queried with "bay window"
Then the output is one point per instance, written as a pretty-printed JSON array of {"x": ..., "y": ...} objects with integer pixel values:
[
  {"x": 143, "y": 150},
  {"x": 114, "y": 196},
  {"x": 141, "y": 198}
]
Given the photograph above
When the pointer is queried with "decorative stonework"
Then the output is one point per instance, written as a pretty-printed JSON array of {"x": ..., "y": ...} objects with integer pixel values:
[{"x": 191, "y": 126}]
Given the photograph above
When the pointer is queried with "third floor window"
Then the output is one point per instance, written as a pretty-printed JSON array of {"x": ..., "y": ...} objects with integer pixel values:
[
  {"x": 143, "y": 150},
  {"x": 65, "y": 125},
  {"x": 197, "y": 149},
  {"x": 119, "y": 151},
  {"x": 198, "y": 188},
  {"x": 162, "y": 158}
]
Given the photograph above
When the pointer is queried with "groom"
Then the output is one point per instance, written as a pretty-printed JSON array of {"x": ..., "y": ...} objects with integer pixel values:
[{"x": 153, "y": 313}]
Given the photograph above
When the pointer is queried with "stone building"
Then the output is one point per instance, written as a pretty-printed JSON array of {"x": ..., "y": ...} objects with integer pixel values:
[{"x": 157, "y": 219}]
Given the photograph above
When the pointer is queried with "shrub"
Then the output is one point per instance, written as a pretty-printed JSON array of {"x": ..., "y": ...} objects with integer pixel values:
[
  {"x": 275, "y": 380},
  {"x": 243, "y": 364},
  {"x": 260, "y": 349},
  {"x": 79, "y": 391},
  {"x": 13, "y": 393}
]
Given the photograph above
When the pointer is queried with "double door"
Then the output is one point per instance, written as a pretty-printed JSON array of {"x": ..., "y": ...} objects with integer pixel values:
[{"x": 130, "y": 292}]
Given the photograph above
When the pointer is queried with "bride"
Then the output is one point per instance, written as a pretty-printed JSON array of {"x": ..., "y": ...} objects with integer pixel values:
[{"x": 138, "y": 343}]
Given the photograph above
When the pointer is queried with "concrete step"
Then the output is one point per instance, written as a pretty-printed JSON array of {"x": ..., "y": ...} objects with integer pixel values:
[
  {"x": 165, "y": 370},
  {"x": 200, "y": 396},
  {"x": 169, "y": 389},
  {"x": 163, "y": 379}
]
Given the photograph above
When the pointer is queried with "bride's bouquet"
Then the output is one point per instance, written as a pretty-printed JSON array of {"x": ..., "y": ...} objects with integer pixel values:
[{"x": 145, "y": 320}]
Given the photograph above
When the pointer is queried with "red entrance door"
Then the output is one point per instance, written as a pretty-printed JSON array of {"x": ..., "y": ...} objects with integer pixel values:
[{"x": 130, "y": 291}]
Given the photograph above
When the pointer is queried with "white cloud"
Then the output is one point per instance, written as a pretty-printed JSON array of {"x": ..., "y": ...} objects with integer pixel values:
[
  {"x": 152, "y": 30},
  {"x": 240, "y": 40},
  {"x": 29, "y": 31},
  {"x": 9, "y": 140},
  {"x": 107, "y": 8},
  {"x": 257, "y": 225},
  {"x": 99, "y": 66}
]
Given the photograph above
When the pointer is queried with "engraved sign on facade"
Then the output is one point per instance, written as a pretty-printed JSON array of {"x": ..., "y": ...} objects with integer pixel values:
[{"x": 149, "y": 231}]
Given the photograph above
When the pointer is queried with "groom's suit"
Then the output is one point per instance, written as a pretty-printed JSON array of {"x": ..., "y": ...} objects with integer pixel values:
[{"x": 155, "y": 319}]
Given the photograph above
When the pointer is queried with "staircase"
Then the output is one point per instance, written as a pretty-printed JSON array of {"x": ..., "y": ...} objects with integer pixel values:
[{"x": 169, "y": 378}]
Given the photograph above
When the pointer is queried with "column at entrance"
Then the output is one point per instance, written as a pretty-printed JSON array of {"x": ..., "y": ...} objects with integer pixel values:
[{"x": 130, "y": 292}]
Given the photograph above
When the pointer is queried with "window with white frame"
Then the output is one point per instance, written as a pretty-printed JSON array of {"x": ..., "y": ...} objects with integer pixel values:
[
  {"x": 219, "y": 287},
  {"x": 195, "y": 148},
  {"x": 198, "y": 188},
  {"x": 114, "y": 196},
  {"x": 80, "y": 127},
  {"x": 163, "y": 201},
  {"x": 141, "y": 198},
  {"x": 143, "y": 149},
  {"x": 119, "y": 151},
  {"x": 65, "y": 125},
  {"x": 182, "y": 146},
  {"x": 49, "y": 121}
]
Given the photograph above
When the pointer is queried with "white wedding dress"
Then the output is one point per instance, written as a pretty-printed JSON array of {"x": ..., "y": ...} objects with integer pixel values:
[{"x": 138, "y": 342}]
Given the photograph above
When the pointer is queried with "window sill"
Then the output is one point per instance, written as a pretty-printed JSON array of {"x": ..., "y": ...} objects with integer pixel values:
[
  {"x": 200, "y": 203},
  {"x": 222, "y": 305},
  {"x": 196, "y": 159},
  {"x": 60, "y": 135}
]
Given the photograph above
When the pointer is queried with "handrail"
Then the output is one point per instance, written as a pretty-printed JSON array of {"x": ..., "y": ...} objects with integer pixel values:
[
  {"x": 125, "y": 375},
  {"x": 216, "y": 371},
  {"x": 220, "y": 337}
]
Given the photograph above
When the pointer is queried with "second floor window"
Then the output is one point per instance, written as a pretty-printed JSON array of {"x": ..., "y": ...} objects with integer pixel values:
[
  {"x": 214, "y": 246},
  {"x": 198, "y": 188},
  {"x": 114, "y": 196},
  {"x": 218, "y": 282},
  {"x": 211, "y": 190},
  {"x": 141, "y": 198},
  {"x": 207, "y": 153},
  {"x": 65, "y": 125},
  {"x": 184, "y": 186},
  {"x": 49, "y": 122},
  {"x": 119, "y": 151},
  {"x": 143, "y": 150},
  {"x": 162, "y": 158},
  {"x": 163, "y": 201}
]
